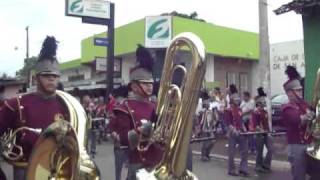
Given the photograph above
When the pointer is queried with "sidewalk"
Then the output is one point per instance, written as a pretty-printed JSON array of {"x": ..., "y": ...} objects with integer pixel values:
[{"x": 219, "y": 151}]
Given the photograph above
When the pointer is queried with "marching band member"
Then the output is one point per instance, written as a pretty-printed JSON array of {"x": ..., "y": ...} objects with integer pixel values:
[
  {"x": 207, "y": 123},
  {"x": 259, "y": 123},
  {"x": 232, "y": 116},
  {"x": 2, "y": 175},
  {"x": 134, "y": 116},
  {"x": 100, "y": 114},
  {"x": 35, "y": 110},
  {"x": 296, "y": 116},
  {"x": 88, "y": 106}
]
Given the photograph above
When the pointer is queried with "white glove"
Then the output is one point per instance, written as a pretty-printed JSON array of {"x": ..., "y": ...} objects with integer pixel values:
[
  {"x": 116, "y": 138},
  {"x": 233, "y": 131},
  {"x": 307, "y": 117}
]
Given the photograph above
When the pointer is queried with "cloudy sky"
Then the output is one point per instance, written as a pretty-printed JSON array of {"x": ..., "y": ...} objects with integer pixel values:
[{"x": 47, "y": 17}]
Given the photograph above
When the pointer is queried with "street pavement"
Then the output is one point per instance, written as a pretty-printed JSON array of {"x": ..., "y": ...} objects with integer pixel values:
[{"x": 216, "y": 169}]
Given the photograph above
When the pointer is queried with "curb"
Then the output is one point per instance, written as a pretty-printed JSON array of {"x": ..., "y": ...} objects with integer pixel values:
[{"x": 280, "y": 165}]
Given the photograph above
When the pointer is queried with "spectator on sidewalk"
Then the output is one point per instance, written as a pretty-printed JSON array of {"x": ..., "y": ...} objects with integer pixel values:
[
  {"x": 259, "y": 123},
  {"x": 232, "y": 116},
  {"x": 247, "y": 107},
  {"x": 207, "y": 123},
  {"x": 231, "y": 90},
  {"x": 220, "y": 101}
]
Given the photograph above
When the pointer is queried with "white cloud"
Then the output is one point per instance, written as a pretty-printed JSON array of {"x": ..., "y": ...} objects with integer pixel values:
[{"x": 47, "y": 17}]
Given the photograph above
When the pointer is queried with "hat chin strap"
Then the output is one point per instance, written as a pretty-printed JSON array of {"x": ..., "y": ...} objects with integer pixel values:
[{"x": 145, "y": 94}]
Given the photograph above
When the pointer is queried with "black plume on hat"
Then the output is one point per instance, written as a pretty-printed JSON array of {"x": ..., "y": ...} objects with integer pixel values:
[
  {"x": 204, "y": 94},
  {"x": 144, "y": 58},
  {"x": 261, "y": 92},
  {"x": 49, "y": 49},
  {"x": 292, "y": 73}
]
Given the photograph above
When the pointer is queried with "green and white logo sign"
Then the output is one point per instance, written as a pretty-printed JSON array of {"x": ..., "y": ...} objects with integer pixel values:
[
  {"x": 158, "y": 31},
  {"x": 76, "y": 6},
  {"x": 89, "y": 8}
]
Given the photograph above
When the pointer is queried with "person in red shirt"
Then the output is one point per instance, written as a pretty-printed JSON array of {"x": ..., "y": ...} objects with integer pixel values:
[
  {"x": 259, "y": 123},
  {"x": 232, "y": 116}
]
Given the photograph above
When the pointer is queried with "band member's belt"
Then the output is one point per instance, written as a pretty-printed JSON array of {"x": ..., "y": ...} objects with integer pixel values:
[
  {"x": 19, "y": 164},
  {"x": 121, "y": 147}
]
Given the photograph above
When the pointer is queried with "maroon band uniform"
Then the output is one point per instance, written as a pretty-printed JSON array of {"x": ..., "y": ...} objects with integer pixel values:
[
  {"x": 296, "y": 132},
  {"x": 259, "y": 118},
  {"x": 128, "y": 116},
  {"x": 33, "y": 111}
]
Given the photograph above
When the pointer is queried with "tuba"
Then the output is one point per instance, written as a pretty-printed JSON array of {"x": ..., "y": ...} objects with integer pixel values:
[
  {"x": 313, "y": 129},
  {"x": 59, "y": 152},
  {"x": 175, "y": 110}
]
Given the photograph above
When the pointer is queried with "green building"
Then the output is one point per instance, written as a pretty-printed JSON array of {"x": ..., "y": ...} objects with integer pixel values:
[{"x": 231, "y": 55}]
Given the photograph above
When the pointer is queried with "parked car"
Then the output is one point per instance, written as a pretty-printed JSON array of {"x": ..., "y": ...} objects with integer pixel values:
[{"x": 276, "y": 102}]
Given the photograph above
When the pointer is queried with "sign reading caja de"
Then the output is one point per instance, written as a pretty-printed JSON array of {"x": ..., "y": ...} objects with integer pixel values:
[
  {"x": 158, "y": 31},
  {"x": 88, "y": 8}
]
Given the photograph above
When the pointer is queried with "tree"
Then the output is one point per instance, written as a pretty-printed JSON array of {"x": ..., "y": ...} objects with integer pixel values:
[
  {"x": 193, "y": 15},
  {"x": 4, "y": 76},
  {"x": 27, "y": 67}
]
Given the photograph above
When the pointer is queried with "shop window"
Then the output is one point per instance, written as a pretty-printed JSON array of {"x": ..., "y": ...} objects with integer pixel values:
[
  {"x": 76, "y": 78},
  {"x": 239, "y": 79},
  {"x": 244, "y": 84},
  {"x": 232, "y": 78}
]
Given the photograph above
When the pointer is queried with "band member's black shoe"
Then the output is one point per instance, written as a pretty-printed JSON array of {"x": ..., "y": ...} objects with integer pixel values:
[
  {"x": 260, "y": 170},
  {"x": 267, "y": 169},
  {"x": 205, "y": 158},
  {"x": 233, "y": 174},
  {"x": 244, "y": 174}
]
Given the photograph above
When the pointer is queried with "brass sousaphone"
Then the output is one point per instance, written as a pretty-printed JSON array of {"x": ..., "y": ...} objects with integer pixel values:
[
  {"x": 59, "y": 153},
  {"x": 175, "y": 110}
]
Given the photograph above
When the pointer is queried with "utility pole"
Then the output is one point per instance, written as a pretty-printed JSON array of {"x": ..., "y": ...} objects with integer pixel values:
[
  {"x": 27, "y": 43},
  {"x": 110, "y": 53},
  {"x": 264, "y": 62},
  {"x": 29, "y": 78}
]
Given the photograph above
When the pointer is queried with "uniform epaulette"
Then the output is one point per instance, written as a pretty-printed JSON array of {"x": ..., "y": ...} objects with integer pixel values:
[
  {"x": 288, "y": 105},
  {"x": 122, "y": 107},
  {"x": 9, "y": 106},
  {"x": 13, "y": 104}
]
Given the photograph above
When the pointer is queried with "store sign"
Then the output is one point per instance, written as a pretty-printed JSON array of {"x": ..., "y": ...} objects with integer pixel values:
[
  {"x": 281, "y": 55},
  {"x": 100, "y": 41},
  {"x": 158, "y": 31},
  {"x": 88, "y": 8},
  {"x": 101, "y": 64}
]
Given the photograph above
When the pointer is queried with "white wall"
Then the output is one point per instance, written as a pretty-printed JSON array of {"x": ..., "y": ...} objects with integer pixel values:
[
  {"x": 209, "y": 76},
  {"x": 281, "y": 55},
  {"x": 128, "y": 62},
  {"x": 12, "y": 91}
]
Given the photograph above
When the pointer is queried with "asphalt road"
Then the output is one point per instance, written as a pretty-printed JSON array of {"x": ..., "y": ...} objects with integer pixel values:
[{"x": 216, "y": 169}]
